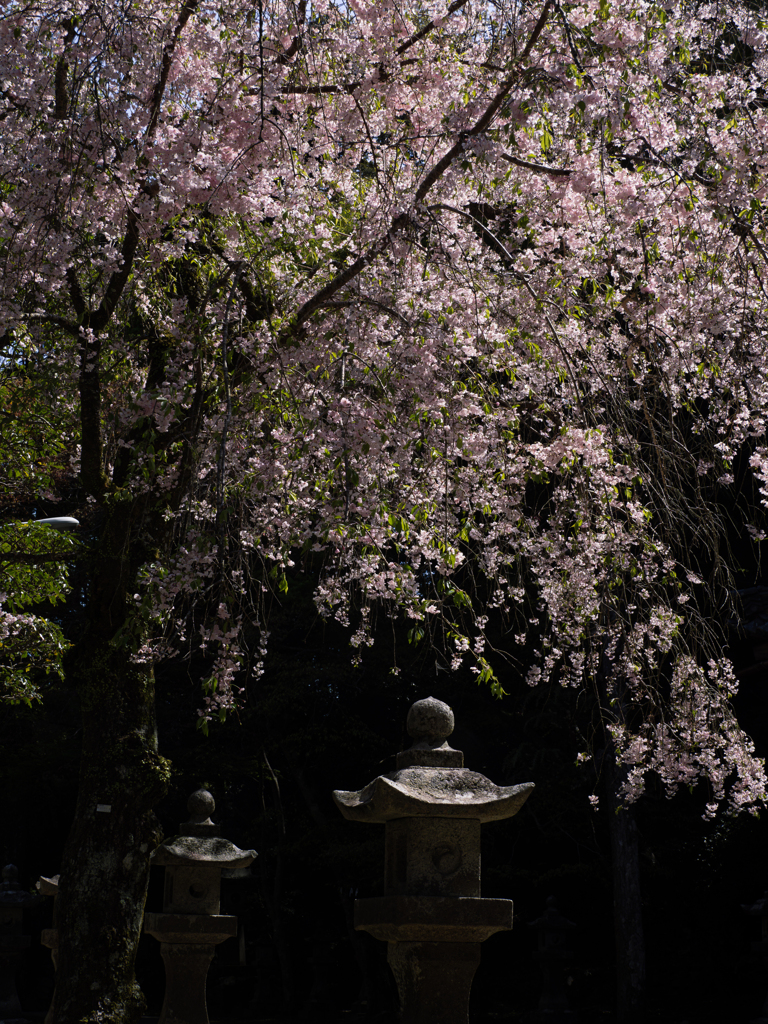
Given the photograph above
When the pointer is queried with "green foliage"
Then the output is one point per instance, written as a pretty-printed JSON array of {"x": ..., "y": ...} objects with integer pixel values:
[
  {"x": 32, "y": 572},
  {"x": 32, "y": 569},
  {"x": 32, "y": 453}
]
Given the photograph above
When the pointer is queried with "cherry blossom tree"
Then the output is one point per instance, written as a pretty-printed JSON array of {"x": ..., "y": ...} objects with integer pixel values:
[{"x": 464, "y": 303}]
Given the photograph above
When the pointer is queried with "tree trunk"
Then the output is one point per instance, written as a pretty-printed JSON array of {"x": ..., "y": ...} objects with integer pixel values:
[
  {"x": 627, "y": 903},
  {"x": 105, "y": 868},
  {"x": 271, "y": 877}
]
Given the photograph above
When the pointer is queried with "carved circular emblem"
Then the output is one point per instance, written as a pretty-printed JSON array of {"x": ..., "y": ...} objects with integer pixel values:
[{"x": 446, "y": 858}]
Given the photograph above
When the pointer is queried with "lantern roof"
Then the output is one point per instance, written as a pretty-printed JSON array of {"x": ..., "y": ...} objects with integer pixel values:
[
  {"x": 430, "y": 780},
  {"x": 11, "y": 893},
  {"x": 199, "y": 842}
]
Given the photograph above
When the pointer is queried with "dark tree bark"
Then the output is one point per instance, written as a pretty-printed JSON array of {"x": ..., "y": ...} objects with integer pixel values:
[
  {"x": 357, "y": 939},
  {"x": 629, "y": 936},
  {"x": 627, "y": 901},
  {"x": 271, "y": 877}
]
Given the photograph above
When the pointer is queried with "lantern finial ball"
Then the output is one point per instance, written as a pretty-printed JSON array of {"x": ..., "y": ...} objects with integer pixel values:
[
  {"x": 431, "y": 720},
  {"x": 201, "y": 805},
  {"x": 10, "y": 876}
]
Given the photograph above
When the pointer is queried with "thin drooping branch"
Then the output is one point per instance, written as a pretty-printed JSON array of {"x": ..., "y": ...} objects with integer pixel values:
[
  {"x": 501, "y": 248},
  {"x": 32, "y": 558},
  {"x": 227, "y": 414},
  {"x": 529, "y": 165}
]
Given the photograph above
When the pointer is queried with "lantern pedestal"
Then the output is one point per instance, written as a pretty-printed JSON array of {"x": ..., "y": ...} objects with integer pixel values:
[
  {"x": 187, "y": 945},
  {"x": 13, "y": 943},
  {"x": 433, "y": 948},
  {"x": 434, "y": 979},
  {"x": 11, "y": 949}
]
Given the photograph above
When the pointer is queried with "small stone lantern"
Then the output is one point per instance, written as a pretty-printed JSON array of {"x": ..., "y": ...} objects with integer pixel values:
[
  {"x": 431, "y": 914},
  {"x": 191, "y": 926},
  {"x": 50, "y": 936},
  {"x": 13, "y": 942}
]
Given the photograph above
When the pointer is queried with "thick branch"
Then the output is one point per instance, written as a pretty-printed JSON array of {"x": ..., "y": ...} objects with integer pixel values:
[
  {"x": 428, "y": 28},
  {"x": 538, "y": 28},
  {"x": 186, "y": 12},
  {"x": 485, "y": 119},
  {"x": 92, "y": 461},
  {"x": 91, "y": 443},
  {"x": 314, "y": 90},
  {"x": 56, "y": 321},
  {"x": 401, "y": 221},
  {"x": 350, "y": 87},
  {"x": 61, "y": 92},
  {"x": 119, "y": 278},
  {"x": 345, "y": 276},
  {"x": 76, "y": 294},
  {"x": 295, "y": 46}
]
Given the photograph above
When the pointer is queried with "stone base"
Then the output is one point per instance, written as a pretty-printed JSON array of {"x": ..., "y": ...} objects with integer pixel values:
[
  {"x": 434, "y": 979},
  {"x": 9, "y": 962}
]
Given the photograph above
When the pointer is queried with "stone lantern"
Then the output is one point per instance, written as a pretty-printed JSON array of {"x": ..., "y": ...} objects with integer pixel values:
[
  {"x": 431, "y": 914},
  {"x": 13, "y": 942},
  {"x": 190, "y": 926}
]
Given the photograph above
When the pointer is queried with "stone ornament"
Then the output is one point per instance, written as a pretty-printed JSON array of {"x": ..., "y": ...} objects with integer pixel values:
[
  {"x": 13, "y": 942},
  {"x": 190, "y": 926},
  {"x": 431, "y": 914}
]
